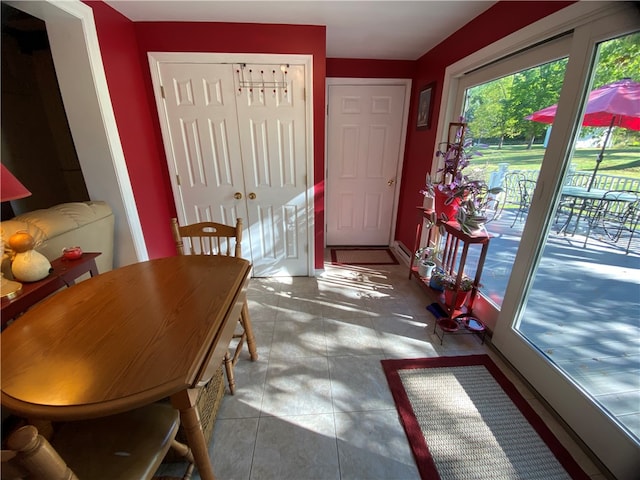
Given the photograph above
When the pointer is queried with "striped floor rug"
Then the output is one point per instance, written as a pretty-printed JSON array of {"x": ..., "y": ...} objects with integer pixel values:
[
  {"x": 362, "y": 256},
  {"x": 465, "y": 419}
]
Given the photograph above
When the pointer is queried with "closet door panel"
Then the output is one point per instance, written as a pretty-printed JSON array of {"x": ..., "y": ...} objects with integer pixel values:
[
  {"x": 201, "y": 111},
  {"x": 237, "y": 148},
  {"x": 271, "y": 117}
]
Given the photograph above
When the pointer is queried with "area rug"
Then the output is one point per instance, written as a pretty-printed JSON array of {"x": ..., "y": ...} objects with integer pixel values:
[
  {"x": 465, "y": 419},
  {"x": 362, "y": 256}
]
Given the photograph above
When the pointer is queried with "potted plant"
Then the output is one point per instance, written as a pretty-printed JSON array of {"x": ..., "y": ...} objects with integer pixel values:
[
  {"x": 456, "y": 195},
  {"x": 425, "y": 257},
  {"x": 456, "y": 155},
  {"x": 454, "y": 295},
  {"x": 477, "y": 205}
]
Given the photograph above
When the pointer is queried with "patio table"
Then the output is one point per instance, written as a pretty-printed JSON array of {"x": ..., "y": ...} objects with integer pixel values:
[{"x": 582, "y": 197}]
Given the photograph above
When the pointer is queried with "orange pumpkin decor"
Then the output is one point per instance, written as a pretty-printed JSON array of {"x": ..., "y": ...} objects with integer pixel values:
[{"x": 21, "y": 242}]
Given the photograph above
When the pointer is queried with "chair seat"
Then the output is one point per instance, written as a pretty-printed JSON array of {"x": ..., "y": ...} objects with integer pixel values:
[{"x": 126, "y": 446}]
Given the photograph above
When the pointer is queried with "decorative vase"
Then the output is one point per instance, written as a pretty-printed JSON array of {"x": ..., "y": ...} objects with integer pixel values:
[
  {"x": 30, "y": 266},
  {"x": 427, "y": 202},
  {"x": 450, "y": 210},
  {"x": 429, "y": 267},
  {"x": 422, "y": 269},
  {"x": 435, "y": 283},
  {"x": 425, "y": 268},
  {"x": 450, "y": 297}
]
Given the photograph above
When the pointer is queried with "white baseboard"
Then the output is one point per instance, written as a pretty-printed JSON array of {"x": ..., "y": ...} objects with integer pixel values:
[{"x": 401, "y": 252}]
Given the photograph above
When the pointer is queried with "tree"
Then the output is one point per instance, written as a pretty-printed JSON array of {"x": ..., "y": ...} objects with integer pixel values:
[
  {"x": 485, "y": 112},
  {"x": 617, "y": 59},
  {"x": 497, "y": 109},
  {"x": 533, "y": 89}
]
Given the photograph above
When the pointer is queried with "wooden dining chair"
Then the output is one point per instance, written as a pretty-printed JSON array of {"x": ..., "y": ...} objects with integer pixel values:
[
  {"x": 211, "y": 238},
  {"x": 125, "y": 446}
]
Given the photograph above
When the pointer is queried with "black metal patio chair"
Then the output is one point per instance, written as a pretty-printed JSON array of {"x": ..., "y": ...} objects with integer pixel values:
[
  {"x": 525, "y": 194},
  {"x": 617, "y": 213},
  {"x": 509, "y": 198}
]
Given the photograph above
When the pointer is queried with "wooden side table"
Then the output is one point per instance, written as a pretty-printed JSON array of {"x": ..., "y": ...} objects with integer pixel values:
[
  {"x": 454, "y": 249},
  {"x": 65, "y": 272}
]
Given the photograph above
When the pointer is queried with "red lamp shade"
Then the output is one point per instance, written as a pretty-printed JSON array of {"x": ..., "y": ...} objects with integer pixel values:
[{"x": 10, "y": 187}]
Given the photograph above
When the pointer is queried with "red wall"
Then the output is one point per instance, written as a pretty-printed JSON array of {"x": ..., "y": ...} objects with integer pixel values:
[
  {"x": 500, "y": 20},
  {"x": 124, "y": 46},
  {"x": 250, "y": 38},
  {"x": 139, "y": 135},
  {"x": 361, "y": 68}
]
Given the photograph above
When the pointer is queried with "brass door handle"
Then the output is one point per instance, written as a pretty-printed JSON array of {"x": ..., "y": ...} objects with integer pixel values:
[
  {"x": 237, "y": 195},
  {"x": 252, "y": 196},
  {"x": 391, "y": 182}
]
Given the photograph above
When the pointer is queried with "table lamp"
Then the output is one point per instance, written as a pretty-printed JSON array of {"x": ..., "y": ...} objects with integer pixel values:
[{"x": 10, "y": 189}]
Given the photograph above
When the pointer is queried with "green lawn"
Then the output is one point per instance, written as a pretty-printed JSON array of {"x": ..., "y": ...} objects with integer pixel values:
[{"x": 623, "y": 162}]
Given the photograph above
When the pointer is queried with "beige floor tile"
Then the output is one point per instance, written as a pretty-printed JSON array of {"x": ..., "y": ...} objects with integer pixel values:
[{"x": 316, "y": 404}]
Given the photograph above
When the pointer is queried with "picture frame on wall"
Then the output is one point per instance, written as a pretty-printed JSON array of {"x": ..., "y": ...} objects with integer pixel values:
[{"x": 425, "y": 107}]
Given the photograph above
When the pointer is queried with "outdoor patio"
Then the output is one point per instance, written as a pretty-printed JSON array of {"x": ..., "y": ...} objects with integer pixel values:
[{"x": 583, "y": 310}]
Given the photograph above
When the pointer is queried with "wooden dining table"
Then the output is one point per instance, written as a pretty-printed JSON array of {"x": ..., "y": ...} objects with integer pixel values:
[{"x": 125, "y": 339}]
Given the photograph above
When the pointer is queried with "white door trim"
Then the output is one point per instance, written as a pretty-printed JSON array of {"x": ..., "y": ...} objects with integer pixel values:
[
  {"x": 83, "y": 85},
  {"x": 403, "y": 136},
  {"x": 155, "y": 58}
]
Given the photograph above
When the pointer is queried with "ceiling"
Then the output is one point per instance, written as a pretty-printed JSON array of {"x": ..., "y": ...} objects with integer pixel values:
[{"x": 382, "y": 29}]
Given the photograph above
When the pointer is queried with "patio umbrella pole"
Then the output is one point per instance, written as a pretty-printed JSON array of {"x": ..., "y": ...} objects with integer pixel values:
[{"x": 601, "y": 154}]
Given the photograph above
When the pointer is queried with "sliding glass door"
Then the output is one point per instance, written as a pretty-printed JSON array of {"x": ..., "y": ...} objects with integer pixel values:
[
  {"x": 581, "y": 311},
  {"x": 579, "y": 325},
  {"x": 567, "y": 315},
  {"x": 512, "y": 149}
]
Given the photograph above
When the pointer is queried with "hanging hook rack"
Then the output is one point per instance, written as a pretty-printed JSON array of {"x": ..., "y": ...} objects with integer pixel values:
[{"x": 249, "y": 83}]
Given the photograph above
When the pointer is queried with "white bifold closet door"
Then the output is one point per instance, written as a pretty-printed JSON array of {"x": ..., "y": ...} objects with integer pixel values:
[{"x": 235, "y": 136}]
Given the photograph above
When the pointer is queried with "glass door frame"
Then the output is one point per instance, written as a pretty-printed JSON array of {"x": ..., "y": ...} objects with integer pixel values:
[
  {"x": 588, "y": 23},
  {"x": 550, "y": 51}
]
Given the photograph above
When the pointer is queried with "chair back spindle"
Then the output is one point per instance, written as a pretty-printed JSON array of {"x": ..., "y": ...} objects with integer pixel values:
[{"x": 208, "y": 238}]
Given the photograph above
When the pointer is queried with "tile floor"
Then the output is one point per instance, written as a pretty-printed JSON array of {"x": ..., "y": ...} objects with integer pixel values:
[{"x": 316, "y": 404}]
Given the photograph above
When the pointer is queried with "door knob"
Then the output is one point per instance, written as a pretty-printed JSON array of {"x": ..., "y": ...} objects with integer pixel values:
[
  {"x": 391, "y": 182},
  {"x": 237, "y": 195},
  {"x": 252, "y": 196}
]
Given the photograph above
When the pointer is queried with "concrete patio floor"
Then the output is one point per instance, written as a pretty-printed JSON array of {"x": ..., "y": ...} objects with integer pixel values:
[{"x": 583, "y": 311}]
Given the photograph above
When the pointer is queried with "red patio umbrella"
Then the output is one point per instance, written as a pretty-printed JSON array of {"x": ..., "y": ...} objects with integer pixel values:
[{"x": 616, "y": 104}]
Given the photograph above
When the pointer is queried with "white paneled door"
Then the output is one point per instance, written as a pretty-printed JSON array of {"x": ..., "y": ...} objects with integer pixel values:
[
  {"x": 236, "y": 139},
  {"x": 272, "y": 139},
  {"x": 364, "y": 130}
]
